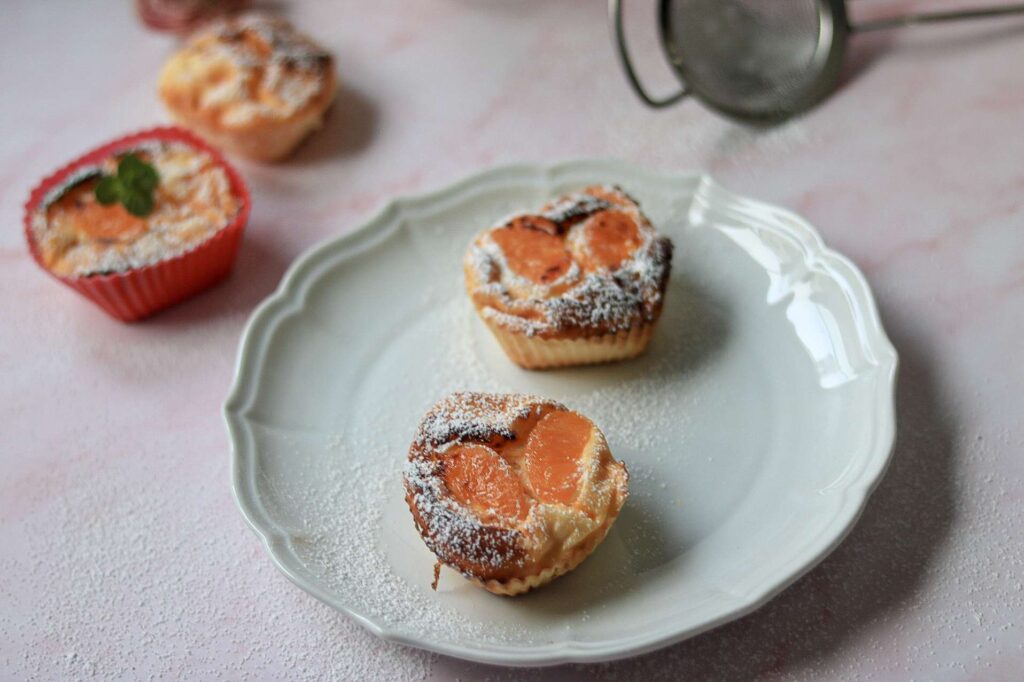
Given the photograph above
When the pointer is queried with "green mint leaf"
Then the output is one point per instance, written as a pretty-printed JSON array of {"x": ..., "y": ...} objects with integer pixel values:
[
  {"x": 108, "y": 190},
  {"x": 134, "y": 172},
  {"x": 133, "y": 186},
  {"x": 129, "y": 167},
  {"x": 138, "y": 203},
  {"x": 148, "y": 179}
]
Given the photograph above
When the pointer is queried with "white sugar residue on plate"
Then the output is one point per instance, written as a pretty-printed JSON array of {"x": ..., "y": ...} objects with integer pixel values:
[
  {"x": 768, "y": 354},
  {"x": 346, "y": 548},
  {"x": 361, "y": 482}
]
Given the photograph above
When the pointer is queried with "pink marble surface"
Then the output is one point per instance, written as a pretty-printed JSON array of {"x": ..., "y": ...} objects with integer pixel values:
[{"x": 123, "y": 555}]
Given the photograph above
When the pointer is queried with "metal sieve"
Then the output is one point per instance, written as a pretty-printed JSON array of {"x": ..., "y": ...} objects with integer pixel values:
[{"x": 761, "y": 59}]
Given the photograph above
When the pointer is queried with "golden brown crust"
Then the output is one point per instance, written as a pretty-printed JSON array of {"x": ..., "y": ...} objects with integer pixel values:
[
  {"x": 589, "y": 267},
  {"x": 252, "y": 85},
  {"x": 502, "y": 554},
  {"x": 76, "y": 236},
  {"x": 482, "y": 541},
  {"x": 538, "y": 352},
  {"x": 513, "y": 586}
]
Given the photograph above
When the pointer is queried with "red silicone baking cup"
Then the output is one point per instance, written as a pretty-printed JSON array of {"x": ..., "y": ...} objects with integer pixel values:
[{"x": 140, "y": 292}]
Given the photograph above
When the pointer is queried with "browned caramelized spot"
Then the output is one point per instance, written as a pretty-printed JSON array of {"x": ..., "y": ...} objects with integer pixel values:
[
  {"x": 611, "y": 237},
  {"x": 533, "y": 249},
  {"x": 535, "y": 222},
  {"x": 552, "y": 457},
  {"x": 612, "y": 197},
  {"x": 478, "y": 478},
  {"x": 437, "y": 575},
  {"x": 257, "y": 44},
  {"x": 94, "y": 220}
]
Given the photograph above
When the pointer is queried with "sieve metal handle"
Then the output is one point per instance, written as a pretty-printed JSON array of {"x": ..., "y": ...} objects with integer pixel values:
[
  {"x": 937, "y": 17},
  {"x": 615, "y": 13}
]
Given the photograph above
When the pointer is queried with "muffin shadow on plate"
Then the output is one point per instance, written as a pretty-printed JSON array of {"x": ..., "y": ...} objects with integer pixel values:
[
  {"x": 693, "y": 329},
  {"x": 887, "y": 560},
  {"x": 637, "y": 543}
]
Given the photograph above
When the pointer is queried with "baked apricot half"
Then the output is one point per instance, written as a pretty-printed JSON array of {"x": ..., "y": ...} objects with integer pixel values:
[
  {"x": 511, "y": 490},
  {"x": 578, "y": 282}
]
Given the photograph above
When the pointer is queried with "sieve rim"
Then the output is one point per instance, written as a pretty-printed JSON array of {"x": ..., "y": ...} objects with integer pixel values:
[{"x": 828, "y": 64}]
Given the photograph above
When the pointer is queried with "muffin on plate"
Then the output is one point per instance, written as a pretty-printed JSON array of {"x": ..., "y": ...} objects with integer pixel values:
[
  {"x": 511, "y": 490},
  {"x": 251, "y": 85},
  {"x": 141, "y": 223},
  {"x": 580, "y": 282}
]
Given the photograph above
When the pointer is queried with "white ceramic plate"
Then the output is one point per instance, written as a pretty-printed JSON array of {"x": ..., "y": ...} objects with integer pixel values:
[{"x": 754, "y": 428}]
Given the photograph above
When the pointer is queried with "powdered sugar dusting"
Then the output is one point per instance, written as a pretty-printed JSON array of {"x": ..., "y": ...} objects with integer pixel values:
[
  {"x": 284, "y": 44},
  {"x": 449, "y": 528},
  {"x": 464, "y": 416},
  {"x": 598, "y": 301},
  {"x": 451, "y": 531},
  {"x": 574, "y": 207},
  {"x": 252, "y": 67},
  {"x": 343, "y": 543}
]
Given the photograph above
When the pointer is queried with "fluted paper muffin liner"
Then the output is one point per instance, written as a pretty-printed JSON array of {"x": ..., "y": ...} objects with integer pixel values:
[{"x": 535, "y": 352}]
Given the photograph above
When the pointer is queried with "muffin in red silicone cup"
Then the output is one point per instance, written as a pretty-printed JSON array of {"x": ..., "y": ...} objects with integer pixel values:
[{"x": 140, "y": 223}]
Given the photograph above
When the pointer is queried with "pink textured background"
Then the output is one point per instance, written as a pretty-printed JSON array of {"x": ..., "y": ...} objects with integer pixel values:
[{"x": 121, "y": 552}]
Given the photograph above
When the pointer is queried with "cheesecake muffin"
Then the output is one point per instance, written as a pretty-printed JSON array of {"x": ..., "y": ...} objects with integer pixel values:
[
  {"x": 251, "y": 85},
  {"x": 140, "y": 223},
  {"x": 510, "y": 490},
  {"x": 579, "y": 282}
]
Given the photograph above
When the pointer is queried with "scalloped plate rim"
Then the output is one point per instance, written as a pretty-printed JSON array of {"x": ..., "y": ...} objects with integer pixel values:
[{"x": 289, "y": 297}]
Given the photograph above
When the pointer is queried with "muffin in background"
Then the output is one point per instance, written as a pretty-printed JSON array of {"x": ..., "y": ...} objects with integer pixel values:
[{"x": 251, "y": 85}]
